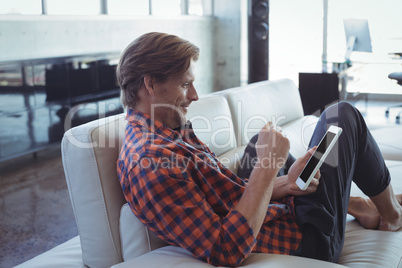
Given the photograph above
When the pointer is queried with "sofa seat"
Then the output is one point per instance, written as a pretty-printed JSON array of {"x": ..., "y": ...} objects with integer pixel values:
[
  {"x": 111, "y": 236},
  {"x": 383, "y": 249},
  {"x": 171, "y": 256}
]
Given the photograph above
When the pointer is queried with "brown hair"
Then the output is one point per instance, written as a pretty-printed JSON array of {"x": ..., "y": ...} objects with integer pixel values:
[{"x": 159, "y": 55}]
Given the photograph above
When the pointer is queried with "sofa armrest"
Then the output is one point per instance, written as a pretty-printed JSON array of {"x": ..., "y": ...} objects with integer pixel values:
[{"x": 172, "y": 256}]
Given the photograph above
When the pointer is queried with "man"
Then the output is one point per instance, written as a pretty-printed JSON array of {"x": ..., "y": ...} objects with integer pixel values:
[{"x": 177, "y": 187}]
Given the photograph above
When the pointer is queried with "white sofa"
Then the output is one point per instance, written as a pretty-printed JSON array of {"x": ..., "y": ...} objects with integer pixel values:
[{"x": 110, "y": 235}]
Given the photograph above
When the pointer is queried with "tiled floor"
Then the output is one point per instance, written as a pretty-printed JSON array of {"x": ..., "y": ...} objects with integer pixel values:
[{"x": 35, "y": 208}]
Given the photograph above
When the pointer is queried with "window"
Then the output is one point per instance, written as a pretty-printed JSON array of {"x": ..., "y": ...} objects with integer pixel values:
[
  {"x": 21, "y": 7},
  {"x": 295, "y": 38},
  {"x": 73, "y": 7},
  {"x": 195, "y": 7},
  {"x": 114, "y": 7},
  {"x": 128, "y": 7},
  {"x": 166, "y": 8}
]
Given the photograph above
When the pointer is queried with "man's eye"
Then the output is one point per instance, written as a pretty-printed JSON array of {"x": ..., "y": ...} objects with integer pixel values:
[{"x": 185, "y": 84}]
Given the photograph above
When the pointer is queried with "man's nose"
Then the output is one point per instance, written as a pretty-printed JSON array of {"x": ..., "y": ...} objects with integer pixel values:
[{"x": 192, "y": 94}]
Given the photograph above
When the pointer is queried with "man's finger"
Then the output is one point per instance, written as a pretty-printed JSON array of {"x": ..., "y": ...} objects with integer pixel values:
[
  {"x": 269, "y": 125},
  {"x": 318, "y": 175},
  {"x": 309, "y": 153},
  {"x": 312, "y": 150}
]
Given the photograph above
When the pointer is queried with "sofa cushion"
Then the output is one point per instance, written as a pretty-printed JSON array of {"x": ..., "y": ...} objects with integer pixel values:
[
  {"x": 299, "y": 133},
  {"x": 136, "y": 239},
  {"x": 212, "y": 122},
  {"x": 232, "y": 158},
  {"x": 256, "y": 104}
]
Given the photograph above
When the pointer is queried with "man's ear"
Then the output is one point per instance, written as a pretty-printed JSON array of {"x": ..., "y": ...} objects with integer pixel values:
[{"x": 149, "y": 84}]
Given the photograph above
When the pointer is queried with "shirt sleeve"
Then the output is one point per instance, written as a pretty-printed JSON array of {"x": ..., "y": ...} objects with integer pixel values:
[{"x": 170, "y": 195}]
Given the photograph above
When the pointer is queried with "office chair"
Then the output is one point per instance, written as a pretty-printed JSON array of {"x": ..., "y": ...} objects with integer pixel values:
[{"x": 398, "y": 77}]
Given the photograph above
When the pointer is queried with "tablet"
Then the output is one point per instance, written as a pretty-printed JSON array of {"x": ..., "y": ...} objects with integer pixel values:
[{"x": 318, "y": 157}]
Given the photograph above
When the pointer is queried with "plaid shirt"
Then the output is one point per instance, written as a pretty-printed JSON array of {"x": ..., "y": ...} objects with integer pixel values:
[{"x": 175, "y": 185}]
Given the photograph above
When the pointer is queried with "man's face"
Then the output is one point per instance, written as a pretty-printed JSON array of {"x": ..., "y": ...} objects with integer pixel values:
[{"x": 173, "y": 97}]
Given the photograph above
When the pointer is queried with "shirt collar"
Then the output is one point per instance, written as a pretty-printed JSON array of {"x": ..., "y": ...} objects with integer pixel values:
[{"x": 144, "y": 120}]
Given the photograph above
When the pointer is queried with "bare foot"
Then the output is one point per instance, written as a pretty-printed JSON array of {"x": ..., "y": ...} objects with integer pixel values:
[
  {"x": 391, "y": 225},
  {"x": 364, "y": 211}
]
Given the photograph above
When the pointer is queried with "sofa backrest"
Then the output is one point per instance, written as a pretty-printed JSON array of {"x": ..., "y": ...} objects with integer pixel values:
[
  {"x": 109, "y": 232},
  {"x": 256, "y": 104},
  {"x": 212, "y": 122}
]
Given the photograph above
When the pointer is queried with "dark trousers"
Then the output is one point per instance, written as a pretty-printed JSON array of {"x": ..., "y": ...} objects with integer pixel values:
[{"x": 356, "y": 157}]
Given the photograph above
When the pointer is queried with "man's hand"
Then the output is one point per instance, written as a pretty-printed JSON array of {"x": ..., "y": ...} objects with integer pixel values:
[
  {"x": 295, "y": 171},
  {"x": 272, "y": 151},
  {"x": 272, "y": 148}
]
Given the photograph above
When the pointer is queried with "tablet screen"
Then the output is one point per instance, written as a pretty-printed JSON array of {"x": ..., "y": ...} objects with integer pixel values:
[{"x": 316, "y": 157}]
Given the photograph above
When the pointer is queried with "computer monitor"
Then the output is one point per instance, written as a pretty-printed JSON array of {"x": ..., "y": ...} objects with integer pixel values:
[{"x": 357, "y": 36}]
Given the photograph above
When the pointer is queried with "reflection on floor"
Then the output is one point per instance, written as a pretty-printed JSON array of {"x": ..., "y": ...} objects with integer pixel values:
[{"x": 35, "y": 208}]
